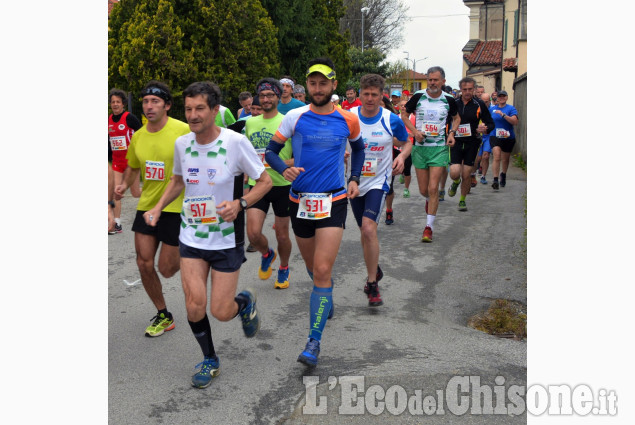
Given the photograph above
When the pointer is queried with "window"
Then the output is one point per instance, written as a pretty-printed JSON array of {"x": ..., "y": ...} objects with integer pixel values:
[{"x": 505, "y": 35}]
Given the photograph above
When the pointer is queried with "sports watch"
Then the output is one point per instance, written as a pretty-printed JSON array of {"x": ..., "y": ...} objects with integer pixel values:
[{"x": 243, "y": 203}]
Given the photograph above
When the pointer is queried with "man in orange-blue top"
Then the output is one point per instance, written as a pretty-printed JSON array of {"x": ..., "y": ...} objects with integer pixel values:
[{"x": 319, "y": 194}]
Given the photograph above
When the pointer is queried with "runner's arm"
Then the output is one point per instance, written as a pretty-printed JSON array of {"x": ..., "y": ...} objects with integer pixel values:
[
  {"x": 129, "y": 176},
  {"x": 272, "y": 156},
  {"x": 172, "y": 191}
]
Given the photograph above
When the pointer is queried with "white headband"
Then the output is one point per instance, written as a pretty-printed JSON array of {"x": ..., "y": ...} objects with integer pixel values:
[{"x": 287, "y": 81}]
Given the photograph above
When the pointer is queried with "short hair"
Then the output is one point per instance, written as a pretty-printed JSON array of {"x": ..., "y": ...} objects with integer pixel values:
[
  {"x": 208, "y": 89},
  {"x": 372, "y": 80},
  {"x": 117, "y": 92},
  {"x": 322, "y": 60},
  {"x": 163, "y": 87},
  {"x": 436, "y": 69},
  {"x": 349, "y": 88},
  {"x": 244, "y": 95},
  {"x": 479, "y": 87},
  {"x": 466, "y": 80}
]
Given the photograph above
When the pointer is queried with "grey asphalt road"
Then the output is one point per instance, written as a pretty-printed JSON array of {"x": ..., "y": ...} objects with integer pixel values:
[{"x": 417, "y": 341}]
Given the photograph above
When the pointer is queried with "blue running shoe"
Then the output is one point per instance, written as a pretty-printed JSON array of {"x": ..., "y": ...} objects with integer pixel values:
[
  {"x": 264, "y": 272},
  {"x": 210, "y": 368},
  {"x": 483, "y": 180},
  {"x": 282, "y": 282},
  {"x": 249, "y": 315},
  {"x": 311, "y": 352}
]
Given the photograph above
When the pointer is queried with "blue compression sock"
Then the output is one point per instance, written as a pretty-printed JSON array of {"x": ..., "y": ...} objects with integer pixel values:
[{"x": 321, "y": 301}]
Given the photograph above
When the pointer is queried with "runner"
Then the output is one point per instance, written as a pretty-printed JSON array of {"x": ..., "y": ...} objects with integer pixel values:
[
  {"x": 379, "y": 127},
  {"x": 351, "y": 100},
  {"x": 299, "y": 93},
  {"x": 209, "y": 164},
  {"x": 245, "y": 99},
  {"x": 121, "y": 126},
  {"x": 482, "y": 160},
  {"x": 319, "y": 133},
  {"x": 151, "y": 152},
  {"x": 287, "y": 101},
  {"x": 503, "y": 140},
  {"x": 434, "y": 110},
  {"x": 259, "y": 131},
  {"x": 475, "y": 120}
]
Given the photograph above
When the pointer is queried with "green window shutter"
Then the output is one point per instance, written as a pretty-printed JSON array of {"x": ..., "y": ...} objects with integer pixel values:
[
  {"x": 516, "y": 13},
  {"x": 505, "y": 36}
]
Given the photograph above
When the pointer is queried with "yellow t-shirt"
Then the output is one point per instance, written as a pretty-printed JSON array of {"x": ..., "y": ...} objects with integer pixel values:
[{"x": 153, "y": 153}]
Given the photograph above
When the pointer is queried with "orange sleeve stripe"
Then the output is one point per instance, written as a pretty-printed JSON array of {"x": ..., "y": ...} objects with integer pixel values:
[
  {"x": 280, "y": 136},
  {"x": 353, "y": 124}
]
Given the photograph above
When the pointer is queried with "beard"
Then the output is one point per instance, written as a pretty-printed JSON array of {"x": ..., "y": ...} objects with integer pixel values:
[{"x": 326, "y": 100}]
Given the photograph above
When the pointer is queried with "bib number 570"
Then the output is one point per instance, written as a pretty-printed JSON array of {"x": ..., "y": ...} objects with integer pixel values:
[{"x": 154, "y": 173}]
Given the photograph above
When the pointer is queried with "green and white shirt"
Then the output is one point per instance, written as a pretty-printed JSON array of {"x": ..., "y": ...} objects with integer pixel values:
[
  {"x": 432, "y": 116},
  {"x": 213, "y": 173}
]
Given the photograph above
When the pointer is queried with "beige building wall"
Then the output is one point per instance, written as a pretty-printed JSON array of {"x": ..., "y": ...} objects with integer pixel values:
[{"x": 522, "y": 57}]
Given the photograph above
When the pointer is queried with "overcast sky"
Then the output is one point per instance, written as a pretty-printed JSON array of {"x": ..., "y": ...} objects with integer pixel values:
[{"x": 431, "y": 32}]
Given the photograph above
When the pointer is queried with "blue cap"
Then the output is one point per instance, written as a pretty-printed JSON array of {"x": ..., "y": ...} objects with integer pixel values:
[{"x": 396, "y": 93}]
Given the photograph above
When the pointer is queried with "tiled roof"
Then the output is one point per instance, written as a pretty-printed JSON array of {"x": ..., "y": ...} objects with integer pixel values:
[
  {"x": 111, "y": 3},
  {"x": 510, "y": 64},
  {"x": 485, "y": 53},
  {"x": 412, "y": 75}
]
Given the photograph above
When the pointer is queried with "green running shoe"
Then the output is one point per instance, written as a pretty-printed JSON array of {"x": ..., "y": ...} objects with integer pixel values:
[
  {"x": 462, "y": 206},
  {"x": 406, "y": 193},
  {"x": 453, "y": 188},
  {"x": 161, "y": 323}
]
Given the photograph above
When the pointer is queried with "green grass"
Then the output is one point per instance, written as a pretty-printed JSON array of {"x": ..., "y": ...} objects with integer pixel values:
[
  {"x": 518, "y": 162},
  {"x": 503, "y": 318}
]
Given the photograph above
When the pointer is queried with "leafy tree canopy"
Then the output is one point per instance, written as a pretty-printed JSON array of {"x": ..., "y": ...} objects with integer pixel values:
[{"x": 181, "y": 41}]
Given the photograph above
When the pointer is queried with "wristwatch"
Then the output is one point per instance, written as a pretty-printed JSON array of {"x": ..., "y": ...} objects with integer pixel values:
[
  {"x": 243, "y": 203},
  {"x": 353, "y": 179},
  {"x": 111, "y": 204},
  {"x": 451, "y": 131}
]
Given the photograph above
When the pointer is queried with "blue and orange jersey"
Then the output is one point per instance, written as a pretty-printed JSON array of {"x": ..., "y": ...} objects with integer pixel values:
[{"x": 318, "y": 142}]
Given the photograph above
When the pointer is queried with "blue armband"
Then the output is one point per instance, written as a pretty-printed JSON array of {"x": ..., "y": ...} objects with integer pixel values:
[
  {"x": 272, "y": 156},
  {"x": 357, "y": 156}
]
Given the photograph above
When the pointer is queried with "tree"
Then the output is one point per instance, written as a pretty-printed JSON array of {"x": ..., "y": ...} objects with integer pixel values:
[
  {"x": 178, "y": 41},
  {"x": 396, "y": 73},
  {"x": 382, "y": 23},
  {"x": 335, "y": 46},
  {"x": 368, "y": 62},
  {"x": 307, "y": 30}
]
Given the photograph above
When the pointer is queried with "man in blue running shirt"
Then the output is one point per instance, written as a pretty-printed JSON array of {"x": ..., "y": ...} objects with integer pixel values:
[{"x": 319, "y": 192}]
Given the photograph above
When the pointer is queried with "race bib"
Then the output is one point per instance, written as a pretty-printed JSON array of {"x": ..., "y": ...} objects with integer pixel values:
[
  {"x": 314, "y": 206},
  {"x": 200, "y": 209},
  {"x": 431, "y": 129},
  {"x": 464, "y": 131},
  {"x": 501, "y": 133},
  {"x": 261, "y": 154},
  {"x": 370, "y": 167},
  {"x": 155, "y": 170},
  {"x": 118, "y": 143}
]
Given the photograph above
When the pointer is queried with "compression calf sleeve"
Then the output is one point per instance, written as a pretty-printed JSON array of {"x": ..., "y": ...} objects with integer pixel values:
[{"x": 321, "y": 302}]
